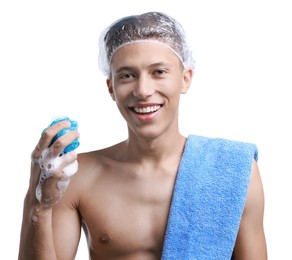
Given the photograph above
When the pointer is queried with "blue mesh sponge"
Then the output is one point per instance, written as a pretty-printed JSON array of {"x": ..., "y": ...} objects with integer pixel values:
[{"x": 74, "y": 126}]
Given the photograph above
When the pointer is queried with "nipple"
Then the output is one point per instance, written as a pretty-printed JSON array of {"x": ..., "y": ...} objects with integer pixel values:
[{"x": 104, "y": 238}]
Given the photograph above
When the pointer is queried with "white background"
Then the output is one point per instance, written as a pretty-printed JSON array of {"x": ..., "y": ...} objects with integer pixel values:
[{"x": 241, "y": 90}]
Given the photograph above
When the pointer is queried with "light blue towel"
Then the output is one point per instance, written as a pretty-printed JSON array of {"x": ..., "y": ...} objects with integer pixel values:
[{"x": 208, "y": 199}]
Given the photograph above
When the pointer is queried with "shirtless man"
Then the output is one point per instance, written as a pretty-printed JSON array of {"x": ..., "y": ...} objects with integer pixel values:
[{"x": 121, "y": 195}]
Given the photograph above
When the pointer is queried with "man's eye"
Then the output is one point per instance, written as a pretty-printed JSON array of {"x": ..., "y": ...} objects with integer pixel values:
[
  {"x": 159, "y": 72},
  {"x": 126, "y": 76}
]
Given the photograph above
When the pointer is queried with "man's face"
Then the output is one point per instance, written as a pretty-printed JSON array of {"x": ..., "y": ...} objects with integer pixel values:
[{"x": 146, "y": 82}]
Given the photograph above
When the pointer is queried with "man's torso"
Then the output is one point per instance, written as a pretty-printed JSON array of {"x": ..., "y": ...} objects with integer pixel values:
[{"x": 125, "y": 207}]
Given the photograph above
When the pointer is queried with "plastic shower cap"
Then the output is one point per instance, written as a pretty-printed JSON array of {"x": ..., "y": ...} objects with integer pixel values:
[{"x": 151, "y": 26}]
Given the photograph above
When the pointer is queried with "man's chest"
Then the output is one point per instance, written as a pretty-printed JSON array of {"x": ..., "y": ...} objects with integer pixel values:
[{"x": 123, "y": 217}]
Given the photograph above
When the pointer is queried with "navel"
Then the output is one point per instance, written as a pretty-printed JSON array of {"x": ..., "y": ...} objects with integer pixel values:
[{"x": 104, "y": 238}]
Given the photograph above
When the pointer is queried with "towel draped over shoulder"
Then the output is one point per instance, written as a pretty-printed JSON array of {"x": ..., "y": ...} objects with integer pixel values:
[{"x": 208, "y": 199}]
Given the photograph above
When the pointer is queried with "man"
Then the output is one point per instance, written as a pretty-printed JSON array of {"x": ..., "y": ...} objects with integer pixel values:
[{"x": 132, "y": 199}]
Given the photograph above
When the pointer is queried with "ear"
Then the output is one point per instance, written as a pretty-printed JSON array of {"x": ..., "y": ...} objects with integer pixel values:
[
  {"x": 186, "y": 80},
  {"x": 110, "y": 89}
]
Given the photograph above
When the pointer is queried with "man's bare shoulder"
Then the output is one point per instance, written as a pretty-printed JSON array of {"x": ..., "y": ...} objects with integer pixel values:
[
  {"x": 91, "y": 164},
  {"x": 101, "y": 156}
]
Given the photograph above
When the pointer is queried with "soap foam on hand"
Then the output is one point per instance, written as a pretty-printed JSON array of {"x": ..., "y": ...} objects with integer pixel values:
[{"x": 50, "y": 165}]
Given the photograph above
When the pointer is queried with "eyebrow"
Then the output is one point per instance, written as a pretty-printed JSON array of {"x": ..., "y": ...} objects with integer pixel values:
[
  {"x": 123, "y": 68},
  {"x": 161, "y": 63},
  {"x": 156, "y": 64}
]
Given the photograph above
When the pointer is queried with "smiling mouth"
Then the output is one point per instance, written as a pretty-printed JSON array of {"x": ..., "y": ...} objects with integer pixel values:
[{"x": 146, "y": 110}]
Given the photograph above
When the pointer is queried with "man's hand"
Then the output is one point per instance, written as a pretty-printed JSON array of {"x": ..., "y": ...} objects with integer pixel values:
[{"x": 51, "y": 169}]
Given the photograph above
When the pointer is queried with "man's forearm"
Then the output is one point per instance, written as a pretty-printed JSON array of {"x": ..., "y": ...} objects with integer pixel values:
[{"x": 36, "y": 239}]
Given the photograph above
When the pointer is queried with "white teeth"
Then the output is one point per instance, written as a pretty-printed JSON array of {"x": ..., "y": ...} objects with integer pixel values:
[{"x": 145, "y": 110}]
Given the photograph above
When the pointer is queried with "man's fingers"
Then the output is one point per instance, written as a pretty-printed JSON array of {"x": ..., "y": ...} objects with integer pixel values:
[
  {"x": 55, "y": 175},
  {"x": 68, "y": 165},
  {"x": 47, "y": 137},
  {"x": 54, "y": 161},
  {"x": 63, "y": 141}
]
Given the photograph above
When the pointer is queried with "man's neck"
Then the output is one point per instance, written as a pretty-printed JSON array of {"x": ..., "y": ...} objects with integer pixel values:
[{"x": 157, "y": 149}]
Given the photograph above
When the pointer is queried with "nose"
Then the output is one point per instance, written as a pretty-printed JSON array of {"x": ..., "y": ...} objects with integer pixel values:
[{"x": 144, "y": 87}]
